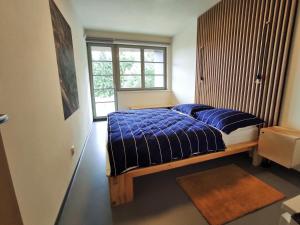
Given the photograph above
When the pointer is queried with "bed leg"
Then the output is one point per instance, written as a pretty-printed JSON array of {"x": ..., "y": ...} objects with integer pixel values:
[
  {"x": 256, "y": 158},
  {"x": 121, "y": 189}
]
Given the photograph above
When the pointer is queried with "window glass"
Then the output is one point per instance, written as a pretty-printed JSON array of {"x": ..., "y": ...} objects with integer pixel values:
[
  {"x": 130, "y": 81},
  {"x": 100, "y": 53},
  {"x": 130, "y": 54},
  {"x": 130, "y": 68},
  {"x": 154, "y": 55},
  {"x": 154, "y": 68},
  {"x": 102, "y": 68},
  {"x": 102, "y": 80},
  {"x": 152, "y": 81}
]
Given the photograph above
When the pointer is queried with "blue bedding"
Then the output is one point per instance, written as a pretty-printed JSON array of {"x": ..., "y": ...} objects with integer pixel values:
[
  {"x": 191, "y": 109},
  {"x": 227, "y": 120},
  {"x": 141, "y": 138}
]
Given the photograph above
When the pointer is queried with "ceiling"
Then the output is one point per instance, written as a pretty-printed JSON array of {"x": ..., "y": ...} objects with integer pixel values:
[{"x": 159, "y": 17}]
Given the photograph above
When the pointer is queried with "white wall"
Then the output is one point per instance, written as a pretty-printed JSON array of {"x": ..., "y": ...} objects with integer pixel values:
[
  {"x": 290, "y": 114},
  {"x": 141, "y": 98},
  {"x": 184, "y": 59},
  {"x": 184, "y": 64},
  {"x": 37, "y": 139},
  {"x": 128, "y": 99}
]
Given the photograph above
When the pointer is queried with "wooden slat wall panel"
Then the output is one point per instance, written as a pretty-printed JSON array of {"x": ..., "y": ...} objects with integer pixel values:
[{"x": 237, "y": 40}]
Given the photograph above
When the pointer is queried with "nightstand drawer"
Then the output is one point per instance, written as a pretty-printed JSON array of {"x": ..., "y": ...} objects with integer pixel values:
[{"x": 280, "y": 145}]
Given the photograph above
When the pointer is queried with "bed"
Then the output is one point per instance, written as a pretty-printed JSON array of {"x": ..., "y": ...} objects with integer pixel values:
[{"x": 142, "y": 142}]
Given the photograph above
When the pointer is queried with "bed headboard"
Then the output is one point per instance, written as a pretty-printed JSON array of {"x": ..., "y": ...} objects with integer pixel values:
[{"x": 242, "y": 55}]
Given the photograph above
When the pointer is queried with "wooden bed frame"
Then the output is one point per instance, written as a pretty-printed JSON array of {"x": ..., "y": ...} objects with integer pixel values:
[{"x": 121, "y": 186}]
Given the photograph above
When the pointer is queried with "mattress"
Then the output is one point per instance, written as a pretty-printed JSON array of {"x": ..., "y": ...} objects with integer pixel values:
[{"x": 240, "y": 135}]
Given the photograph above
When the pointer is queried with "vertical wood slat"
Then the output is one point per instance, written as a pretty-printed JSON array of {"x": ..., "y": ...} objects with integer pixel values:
[
  {"x": 253, "y": 57},
  {"x": 272, "y": 61},
  {"x": 211, "y": 54},
  {"x": 261, "y": 52},
  {"x": 228, "y": 52},
  {"x": 277, "y": 57},
  {"x": 206, "y": 84},
  {"x": 198, "y": 68},
  {"x": 217, "y": 53},
  {"x": 235, "y": 50},
  {"x": 239, "y": 41},
  {"x": 247, "y": 39},
  {"x": 206, "y": 60},
  {"x": 209, "y": 60},
  {"x": 225, "y": 47},
  {"x": 241, "y": 55},
  {"x": 202, "y": 87},
  {"x": 234, "y": 44},
  {"x": 222, "y": 53},
  {"x": 270, "y": 113},
  {"x": 232, "y": 55},
  {"x": 249, "y": 58},
  {"x": 270, "y": 31}
]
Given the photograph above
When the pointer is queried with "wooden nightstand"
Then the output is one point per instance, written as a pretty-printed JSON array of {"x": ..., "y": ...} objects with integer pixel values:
[{"x": 281, "y": 145}]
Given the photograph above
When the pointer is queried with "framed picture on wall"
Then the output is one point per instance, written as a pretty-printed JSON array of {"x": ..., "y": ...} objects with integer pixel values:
[{"x": 65, "y": 61}]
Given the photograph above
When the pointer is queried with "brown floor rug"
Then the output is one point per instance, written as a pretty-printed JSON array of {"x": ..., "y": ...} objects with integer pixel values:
[{"x": 227, "y": 193}]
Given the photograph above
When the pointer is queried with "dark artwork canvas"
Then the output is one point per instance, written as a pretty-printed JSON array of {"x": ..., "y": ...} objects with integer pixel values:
[{"x": 65, "y": 61}]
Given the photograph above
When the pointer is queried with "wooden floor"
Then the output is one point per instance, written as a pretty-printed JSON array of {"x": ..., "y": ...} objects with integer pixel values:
[{"x": 158, "y": 198}]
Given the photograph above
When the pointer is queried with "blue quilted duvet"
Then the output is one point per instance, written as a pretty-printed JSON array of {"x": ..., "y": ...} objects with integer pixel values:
[{"x": 141, "y": 138}]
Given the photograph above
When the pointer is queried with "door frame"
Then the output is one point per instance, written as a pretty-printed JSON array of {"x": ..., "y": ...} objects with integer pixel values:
[{"x": 90, "y": 68}]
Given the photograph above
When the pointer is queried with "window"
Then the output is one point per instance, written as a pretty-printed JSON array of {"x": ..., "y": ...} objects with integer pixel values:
[
  {"x": 123, "y": 67},
  {"x": 154, "y": 68},
  {"x": 130, "y": 68},
  {"x": 141, "y": 68}
]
